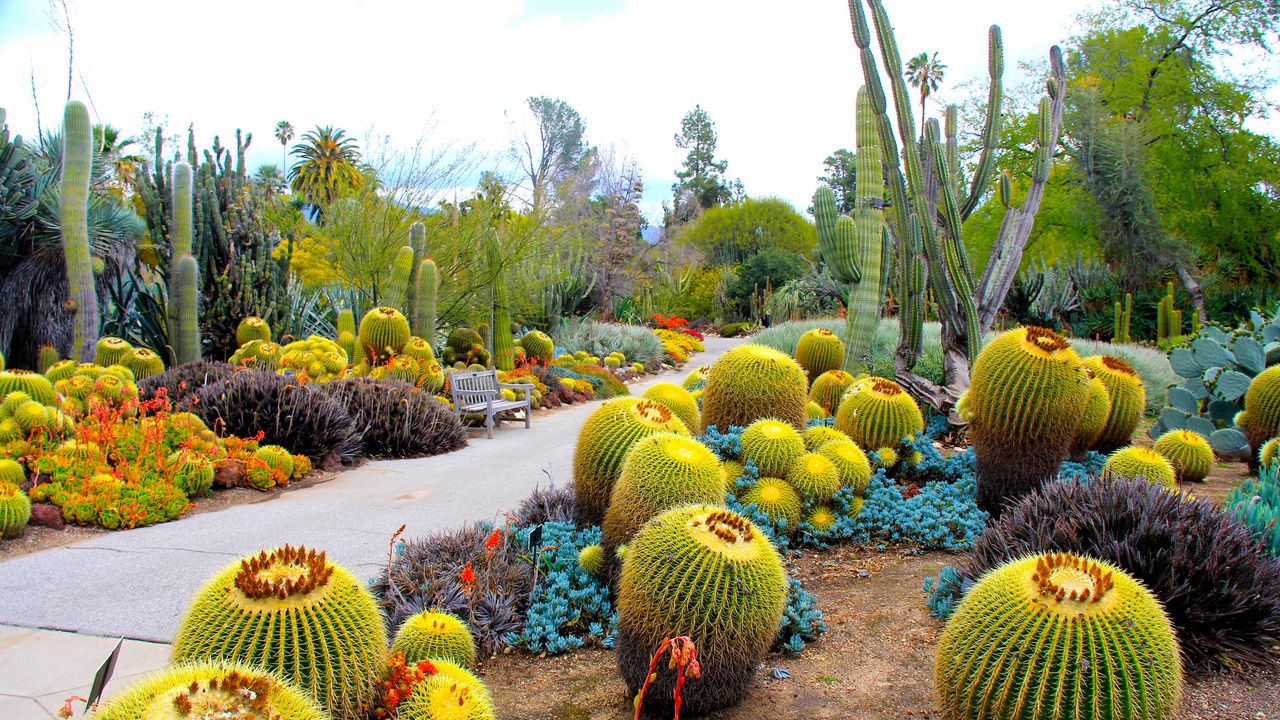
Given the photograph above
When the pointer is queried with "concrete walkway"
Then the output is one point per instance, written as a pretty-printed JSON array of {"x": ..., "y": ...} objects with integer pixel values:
[{"x": 136, "y": 584}]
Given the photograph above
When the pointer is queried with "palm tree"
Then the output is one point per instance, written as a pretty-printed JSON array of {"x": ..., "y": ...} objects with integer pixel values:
[
  {"x": 328, "y": 166},
  {"x": 926, "y": 74},
  {"x": 269, "y": 178},
  {"x": 284, "y": 133}
]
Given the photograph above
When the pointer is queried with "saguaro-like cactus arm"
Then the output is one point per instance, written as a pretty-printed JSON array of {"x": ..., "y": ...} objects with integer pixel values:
[
  {"x": 991, "y": 127},
  {"x": 867, "y": 248}
]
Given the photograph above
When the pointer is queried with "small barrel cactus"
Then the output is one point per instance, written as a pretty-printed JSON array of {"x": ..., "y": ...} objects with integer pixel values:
[
  {"x": 591, "y": 560},
  {"x": 448, "y": 692},
  {"x": 110, "y": 351},
  {"x": 751, "y": 382},
  {"x": 1128, "y": 400},
  {"x": 696, "y": 379},
  {"x": 1139, "y": 463},
  {"x": 15, "y": 510},
  {"x": 819, "y": 435},
  {"x": 143, "y": 363},
  {"x": 818, "y": 351},
  {"x": 36, "y": 386},
  {"x": 828, "y": 388},
  {"x": 250, "y": 611},
  {"x": 1269, "y": 453},
  {"x": 772, "y": 445},
  {"x": 776, "y": 500},
  {"x": 606, "y": 437},
  {"x": 1261, "y": 417},
  {"x": 850, "y": 462},
  {"x": 1188, "y": 452},
  {"x": 814, "y": 476},
  {"x": 252, "y": 328},
  {"x": 877, "y": 412},
  {"x": 435, "y": 636},
  {"x": 679, "y": 400},
  {"x": 383, "y": 332},
  {"x": 1058, "y": 636},
  {"x": 1094, "y": 418}
]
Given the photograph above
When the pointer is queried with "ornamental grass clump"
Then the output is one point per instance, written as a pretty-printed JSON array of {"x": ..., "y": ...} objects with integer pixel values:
[{"x": 397, "y": 420}]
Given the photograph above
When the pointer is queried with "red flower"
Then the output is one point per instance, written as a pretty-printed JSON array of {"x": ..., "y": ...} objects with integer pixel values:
[
  {"x": 491, "y": 544},
  {"x": 468, "y": 578}
]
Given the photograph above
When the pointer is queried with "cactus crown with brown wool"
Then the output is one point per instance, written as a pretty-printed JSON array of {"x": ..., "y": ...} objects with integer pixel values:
[
  {"x": 603, "y": 443},
  {"x": 828, "y": 388},
  {"x": 877, "y": 413},
  {"x": 1025, "y": 400},
  {"x": 201, "y": 691},
  {"x": 250, "y": 612},
  {"x": 1058, "y": 636},
  {"x": 680, "y": 400}
]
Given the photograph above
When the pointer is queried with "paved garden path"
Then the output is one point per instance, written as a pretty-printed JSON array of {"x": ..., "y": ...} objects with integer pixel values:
[{"x": 135, "y": 584}]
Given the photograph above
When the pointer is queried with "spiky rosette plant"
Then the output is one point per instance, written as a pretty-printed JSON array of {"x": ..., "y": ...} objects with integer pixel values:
[
  {"x": 1061, "y": 636},
  {"x": 383, "y": 332},
  {"x": 1140, "y": 463},
  {"x": 1188, "y": 452},
  {"x": 15, "y": 510},
  {"x": 818, "y": 351},
  {"x": 1221, "y": 593},
  {"x": 1128, "y": 400},
  {"x": 877, "y": 412},
  {"x": 252, "y": 328},
  {"x": 726, "y": 591},
  {"x": 435, "y": 635},
  {"x": 680, "y": 401},
  {"x": 1261, "y": 417},
  {"x": 196, "y": 691},
  {"x": 814, "y": 476},
  {"x": 776, "y": 500},
  {"x": 603, "y": 443},
  {"x": 828, "y": 388},
  {"x": 251, "y": 612},
  {"x": 660, "y": 472},
  {"x": 819, "y": 435},
  {"x": 772, "y": 445},
  {"x": 751, "y": 382},
  {"x": 448, "y": 692},
  {"x": 1093, "y": 420},
  {"x": 181, "y": 382},
  {"x": 36, "y": 386},
  {"x": 110, "y": 351},
  {"x": 1027, "y": 394},
  {"x": 395, "y": 420},
  {"x": 538, "y": 346},
  {"x": 851, "y": 463},
  {"x": 143, "y": 363}
]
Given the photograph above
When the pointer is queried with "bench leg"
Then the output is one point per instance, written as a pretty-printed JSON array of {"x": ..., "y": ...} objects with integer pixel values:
[
  {"x": 488, "y": 424},
  {"x": 528, "y": 414}
]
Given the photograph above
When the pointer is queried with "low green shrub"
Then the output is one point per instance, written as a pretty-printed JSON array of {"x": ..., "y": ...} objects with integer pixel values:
[{"x": 600, "y": 339}]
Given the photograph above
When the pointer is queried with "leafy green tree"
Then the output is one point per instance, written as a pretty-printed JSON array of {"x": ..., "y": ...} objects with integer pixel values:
[
  {"x": 731, "y": 234},
  {"x": 700, "y": 184},
  {"x": 841, "y": 177},
  {"x": 328, "y": 166},
  {"x": 767, "y": 270},
  {"x": 925, "y": 74}
]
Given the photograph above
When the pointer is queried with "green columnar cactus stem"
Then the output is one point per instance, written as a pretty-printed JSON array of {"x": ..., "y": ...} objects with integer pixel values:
[
  {"x": 182, "y": 211},
  {"x": 417, "y": 241},
  {"x": 1120, "y": 326},
  {"x": 503, "y": 343},
  {"x": 401, "y": 267},
  {"x": 425, "y": 294},
  {"x": 82, "y": 298},
  {"x": 870, "y": 241},
  {"x": 186, "y": 328},
  {"x": 346, "y": 322}
]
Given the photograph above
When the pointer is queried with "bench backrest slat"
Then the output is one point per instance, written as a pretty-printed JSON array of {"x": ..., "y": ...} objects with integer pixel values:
[{"x": 474, "y": 387}]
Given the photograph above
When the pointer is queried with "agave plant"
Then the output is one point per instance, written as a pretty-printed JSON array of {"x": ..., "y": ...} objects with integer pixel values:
[{"x": 1216, "y": 367}]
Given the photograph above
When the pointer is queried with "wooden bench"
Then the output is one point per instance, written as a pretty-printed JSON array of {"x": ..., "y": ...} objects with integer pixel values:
[{"x": 480, "y": 393}]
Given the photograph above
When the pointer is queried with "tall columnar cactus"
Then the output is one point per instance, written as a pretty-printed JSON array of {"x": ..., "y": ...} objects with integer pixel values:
[
  {"x": 503, "y": 344},
  {"x": 398, "y": 283},
  {"x": 931, "y": 244},
  {"x": 1120, "y": 326},
  {"x": 82, "y": 298},
  {"x": 418, "y": 242},
  {"x": 426, "y": 289},
  {"x": 857, "y": 249},
  {"x": 184, "y": 289},
  {"x": 1168, "y": 319}
]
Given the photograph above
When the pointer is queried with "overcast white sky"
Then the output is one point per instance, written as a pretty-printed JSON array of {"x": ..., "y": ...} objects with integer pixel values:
[{"x": 777, "y": 78}]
